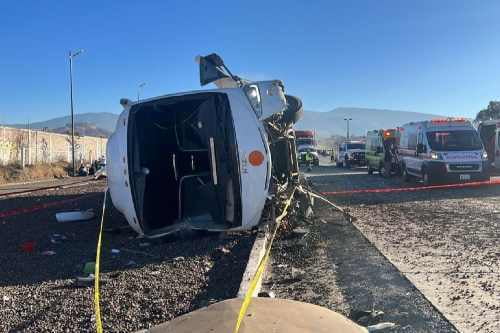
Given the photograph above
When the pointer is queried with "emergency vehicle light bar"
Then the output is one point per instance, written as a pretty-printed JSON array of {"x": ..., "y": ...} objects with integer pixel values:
[{"x": 448, "y": 120}]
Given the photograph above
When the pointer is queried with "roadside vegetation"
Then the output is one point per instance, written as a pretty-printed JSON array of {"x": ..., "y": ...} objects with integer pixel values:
[{"x": 13, "y": 173}]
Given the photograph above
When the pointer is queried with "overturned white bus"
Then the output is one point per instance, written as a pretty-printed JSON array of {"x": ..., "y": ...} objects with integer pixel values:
[{"x": 204, "y": 159}]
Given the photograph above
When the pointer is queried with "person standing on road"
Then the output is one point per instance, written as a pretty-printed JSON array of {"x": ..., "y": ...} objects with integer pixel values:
[
  {"x": 309, "y": 160},
  {"x": 387, "y": 160}
]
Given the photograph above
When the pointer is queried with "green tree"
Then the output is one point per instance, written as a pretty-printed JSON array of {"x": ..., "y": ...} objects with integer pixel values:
[{"x": 491, "y": 112}]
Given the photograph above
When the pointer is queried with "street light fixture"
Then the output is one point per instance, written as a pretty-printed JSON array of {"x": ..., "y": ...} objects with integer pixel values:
[
  {"x": 139, "y": 88},
  {"x": 347, "y": 120},
  {"x": 71, "y": 56}
]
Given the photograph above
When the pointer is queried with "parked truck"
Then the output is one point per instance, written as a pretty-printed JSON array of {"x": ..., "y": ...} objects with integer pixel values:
[
  {"x": 382, "y": 153},
  {"x": 350, "y": 153}
]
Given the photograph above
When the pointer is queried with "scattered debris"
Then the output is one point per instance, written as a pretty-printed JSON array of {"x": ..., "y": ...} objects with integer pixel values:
[
  {"x": 75, "y": 216},
  {"x": 89, "y": 278},
  {"x": 300, "y": 231},
  {"x": 225, "y": 250},
  {"x": 178, "y": 258},
  {"x": 57, "y": 238},
  {"x": 380, "y": 326},
  {"x": 144, "y": 244},
  {"x": 131, "y": 263},
  {"x": 87, "y": 281},
  {"x": 366, "y": 318},
  {"x": 6, "y": 298},
  {"x": 28, "y": 247},
  {"x": 89, "y": 268},
  {"x": 48, "y": 253},
  {"x": 269, "y": 294},
  {"x": 115, "y": 251},
  {"x": 297, "y": 273}
]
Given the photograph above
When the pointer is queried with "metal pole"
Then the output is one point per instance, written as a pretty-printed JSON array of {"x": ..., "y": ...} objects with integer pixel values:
[
  {"x": 139, "y": 87},
  {"x": 347, "y": 121},
  {"x": 72, "y": 115}
]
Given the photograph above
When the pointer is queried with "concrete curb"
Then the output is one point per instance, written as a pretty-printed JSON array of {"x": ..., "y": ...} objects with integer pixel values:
[{"x": 256, "y": 255}]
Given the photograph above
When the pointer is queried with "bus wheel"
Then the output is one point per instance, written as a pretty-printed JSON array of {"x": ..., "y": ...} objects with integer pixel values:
[
  {"x": 346, "y": 163},
  {"x": 381, "y": 170},
  {"x": 406, "y": 176},
  {"x": 426, "y": 179}
]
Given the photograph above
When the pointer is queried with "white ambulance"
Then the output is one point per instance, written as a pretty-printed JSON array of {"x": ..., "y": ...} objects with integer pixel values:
[
  {"x": 203, "y": 159},
  {"x": 442, "y": 150}
]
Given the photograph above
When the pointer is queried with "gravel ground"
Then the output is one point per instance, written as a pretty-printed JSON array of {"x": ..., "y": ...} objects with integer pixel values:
[
  {"x": 146, "y": 283},
  {"x": 329, "y": 263},
  {"x": 446, "y": 242}
]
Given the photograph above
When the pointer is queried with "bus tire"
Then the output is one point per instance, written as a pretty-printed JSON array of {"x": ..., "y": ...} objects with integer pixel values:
[
  {"x": 406, "y": 175},
  {"x": 346, "y": 163},
  {"x": 381, "y": 170},
  {"x": 426, "y": 179},
  {"x": 370, "y": 170}
]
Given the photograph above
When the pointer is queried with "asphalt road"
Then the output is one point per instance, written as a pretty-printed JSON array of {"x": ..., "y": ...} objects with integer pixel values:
[{"x": 445, "y": 241}]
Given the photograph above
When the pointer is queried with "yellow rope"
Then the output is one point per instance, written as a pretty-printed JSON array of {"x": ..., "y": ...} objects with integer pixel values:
[
  {"x": 97, "y": 308},
  {"x": 260, "y": 269}
]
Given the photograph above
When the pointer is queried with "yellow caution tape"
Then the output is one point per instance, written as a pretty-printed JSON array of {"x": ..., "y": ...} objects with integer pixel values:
[
  {"x": 260, "y": 269},
  {"x": 97, "y": 308}
]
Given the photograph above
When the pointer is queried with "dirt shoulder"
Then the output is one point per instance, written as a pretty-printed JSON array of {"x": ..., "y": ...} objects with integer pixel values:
[
  {"x": 334, "y": 266},
  {"x": 16, "y": 174}
]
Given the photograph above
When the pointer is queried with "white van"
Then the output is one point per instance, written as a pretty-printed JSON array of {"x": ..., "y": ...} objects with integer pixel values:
[
  {"x": 489, "y": 130},
  {"x": 203, "y": 159},
  {"x": 442, "y": 150}
]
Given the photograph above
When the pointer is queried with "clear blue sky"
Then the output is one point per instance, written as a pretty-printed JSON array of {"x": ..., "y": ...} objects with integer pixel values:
[{"x": 427, "y": 56}]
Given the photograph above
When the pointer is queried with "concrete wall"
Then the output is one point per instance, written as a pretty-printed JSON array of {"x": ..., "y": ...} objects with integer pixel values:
[{"x": 25, "y": 146}]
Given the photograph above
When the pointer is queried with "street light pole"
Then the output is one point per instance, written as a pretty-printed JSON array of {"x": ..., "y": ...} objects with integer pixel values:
[
  {"x": 71, "y": 56},
  {"x": 139, "y": 87},
  {"x": 347, "y": 120}
]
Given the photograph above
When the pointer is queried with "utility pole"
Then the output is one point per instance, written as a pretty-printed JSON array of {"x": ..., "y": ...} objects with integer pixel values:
[
  {"x": 139, "y": 88},
  {"x": 71, "y": 56},
  {"x": 347, "y": 120}
]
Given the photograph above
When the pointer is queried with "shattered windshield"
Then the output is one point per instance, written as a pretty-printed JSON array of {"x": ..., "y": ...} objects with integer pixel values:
[{"x": 454, "y": 140}]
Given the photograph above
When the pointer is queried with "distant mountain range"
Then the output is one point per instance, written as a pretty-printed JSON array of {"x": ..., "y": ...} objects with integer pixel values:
[
  {"x": 332, "y": 122},
  {"x": 324, "y": 123},
  {"x": 92, "y": 124}
]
